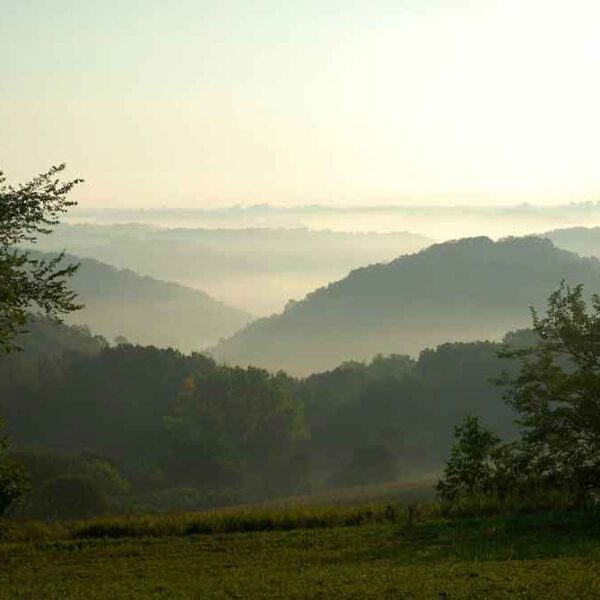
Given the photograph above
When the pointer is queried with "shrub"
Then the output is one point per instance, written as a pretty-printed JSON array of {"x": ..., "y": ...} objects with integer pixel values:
[{"x": 69, "y": 497}]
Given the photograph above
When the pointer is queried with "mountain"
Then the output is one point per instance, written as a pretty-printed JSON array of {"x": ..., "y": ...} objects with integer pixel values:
[
  {"x": 258, "y": 269},
  {"x": 464, "y": 290},
  {"x": 119, "y": 302}
]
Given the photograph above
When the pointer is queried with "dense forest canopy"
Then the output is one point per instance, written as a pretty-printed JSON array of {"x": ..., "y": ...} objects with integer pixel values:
[{"x": 168, "y": 420}]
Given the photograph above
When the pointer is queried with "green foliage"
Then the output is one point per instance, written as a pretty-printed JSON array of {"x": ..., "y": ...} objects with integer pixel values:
[
  {"x": 556, "y": 395},
  {"x": 467, "y": 289},
  {"x": 27, "y": 211},
  {"x": 556, "y": 392},
  {"x": 552, "y": 555},
  {"x": 184, "y": 421},
  {"x": 13, "y": 482},
  {"x": 43, "y": 465},
  {"x": 69, "y": 497},
  {"x": 47, "y": 471},
  {"x": 470, "y": 469},
  {"x": 232, "y": 421}
]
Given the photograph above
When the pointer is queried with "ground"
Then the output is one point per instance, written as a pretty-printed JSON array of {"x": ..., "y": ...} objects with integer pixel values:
[{"x": 483, "y": 558}]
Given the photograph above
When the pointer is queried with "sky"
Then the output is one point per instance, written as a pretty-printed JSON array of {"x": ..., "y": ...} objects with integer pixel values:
[{"x": 197, "y": 103}]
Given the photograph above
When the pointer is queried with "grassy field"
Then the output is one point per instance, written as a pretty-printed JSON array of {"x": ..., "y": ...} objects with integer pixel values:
[{"x": 552, "y": 555}]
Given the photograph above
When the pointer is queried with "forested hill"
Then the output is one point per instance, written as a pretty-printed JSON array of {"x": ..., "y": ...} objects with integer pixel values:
[
  {"x": 119, "y": 302},
  {"x": 583, "y": 240},
  {"x": 464, "y": 290},
  {"x": 182, "y": 427},
  {"x": 258, "y": 269}
]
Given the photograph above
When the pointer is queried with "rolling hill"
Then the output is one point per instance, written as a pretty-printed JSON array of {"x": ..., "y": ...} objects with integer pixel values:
[
  {"x": 258, "y": 269},
  {"x": 463, "y": 290},
  {"x": 583, "y": 240},
  {"x": 119, "y": 302}
]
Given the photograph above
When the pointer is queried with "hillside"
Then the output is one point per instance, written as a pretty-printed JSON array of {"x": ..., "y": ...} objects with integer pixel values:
[
  {"x": 119, "y": 302},
  {"x": 258, "y": 269},
  {"x": 464, "y": 290},
  {"x": 582, "y": 240},
  {"x": 185, "y": 422}
]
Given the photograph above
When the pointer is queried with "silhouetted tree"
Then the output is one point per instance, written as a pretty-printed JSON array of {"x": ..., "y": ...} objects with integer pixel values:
[
  {"x": 557, "y": 391},
  {"x": 26, "y": 283},
  {"x": 470, "y": 469}
]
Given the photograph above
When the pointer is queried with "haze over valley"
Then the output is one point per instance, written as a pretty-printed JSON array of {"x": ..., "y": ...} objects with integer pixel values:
[
  {"x": 258, "y": 258},
  {"x": 299, "y": 299}
]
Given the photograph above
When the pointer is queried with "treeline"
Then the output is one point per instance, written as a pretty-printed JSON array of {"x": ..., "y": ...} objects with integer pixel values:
[{"x": 184, "y": 431}]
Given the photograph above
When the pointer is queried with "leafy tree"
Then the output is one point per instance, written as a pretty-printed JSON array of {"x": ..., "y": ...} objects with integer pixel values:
[
  {"x": 13, "y": 483},
  {"x": 557, "y": 391},
  {"x": 470, "y": 469},
  {"x": 42, "y": 465},
  {"x": 229, "y": 423},
  {"x": 27, "y": 283}
]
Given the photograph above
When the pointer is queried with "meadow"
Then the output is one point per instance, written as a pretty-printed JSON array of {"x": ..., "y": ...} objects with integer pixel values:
[{"x": 361, "y": 551}]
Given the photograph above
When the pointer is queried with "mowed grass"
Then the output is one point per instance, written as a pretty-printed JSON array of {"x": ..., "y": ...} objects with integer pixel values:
[{"x": 553, "y": 555}]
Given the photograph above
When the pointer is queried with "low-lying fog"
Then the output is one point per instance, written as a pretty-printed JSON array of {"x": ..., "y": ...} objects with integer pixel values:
[{"x": 258, "y": 258}]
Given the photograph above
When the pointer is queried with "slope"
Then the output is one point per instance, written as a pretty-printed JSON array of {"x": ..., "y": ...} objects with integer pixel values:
[
  {"x": 463, "y": 290},
  {"x": 119, "y": 302}
]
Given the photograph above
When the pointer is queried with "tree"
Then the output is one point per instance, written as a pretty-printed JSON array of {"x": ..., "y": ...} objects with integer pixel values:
[
  {"x": 557, "y": 391},
  {"x": 470, "y": 469},
  {"x": 229, "y": 424},
  {"x": 28, "y": 283},
  {"x": 70, "y": 497},
  {"x": 13, "y": 483}
]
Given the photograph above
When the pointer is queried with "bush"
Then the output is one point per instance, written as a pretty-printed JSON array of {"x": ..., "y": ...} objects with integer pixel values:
[{"x": 68, "y": 497}]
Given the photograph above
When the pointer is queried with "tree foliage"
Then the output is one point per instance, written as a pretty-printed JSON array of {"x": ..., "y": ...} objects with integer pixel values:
[
  {"x": 70, "y": 497},
  {"x": 13, "y": 482},
  {"x": 470, "y": 469},
  {"x": 233, "y": 422},
  {"x": 26, "y": 283},
  {"x": 556, "y": 395},
  {"x": 557, "y": 391},
  {"x": 185, "y": 421}
]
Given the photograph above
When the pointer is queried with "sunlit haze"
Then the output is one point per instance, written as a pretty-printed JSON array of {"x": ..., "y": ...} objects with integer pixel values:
[{"x": 203, "y": 104}]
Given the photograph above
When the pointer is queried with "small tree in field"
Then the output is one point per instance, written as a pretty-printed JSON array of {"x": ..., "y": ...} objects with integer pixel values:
[
  {"x": 470, "y": 469},
  {"x": 26, "y": 283}
]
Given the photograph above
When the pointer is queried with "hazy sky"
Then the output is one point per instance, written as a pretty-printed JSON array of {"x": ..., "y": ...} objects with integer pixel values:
[{"x": 201, "y": 103}]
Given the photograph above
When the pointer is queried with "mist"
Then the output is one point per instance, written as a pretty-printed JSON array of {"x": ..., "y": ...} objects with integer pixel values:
[{"x": 258, "y": 258}]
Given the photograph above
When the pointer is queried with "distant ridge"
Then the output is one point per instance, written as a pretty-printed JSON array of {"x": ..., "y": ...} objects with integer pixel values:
[
  {"x": 583, "y": 240},
  {"x": 256, "y": 268},
  {"x": 120, "y": 302},
  {"x": 464, "y": 290}
]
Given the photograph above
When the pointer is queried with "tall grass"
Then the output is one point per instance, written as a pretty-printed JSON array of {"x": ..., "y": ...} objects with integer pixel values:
[
  {"x": 553, "y": 505},
  {"x": 209, "y": 522}
]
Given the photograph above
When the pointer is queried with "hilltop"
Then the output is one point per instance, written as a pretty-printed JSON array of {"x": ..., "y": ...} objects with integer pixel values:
[
  {"x": 462, "y": 290},
  {"x": 120, "y": 302}
]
